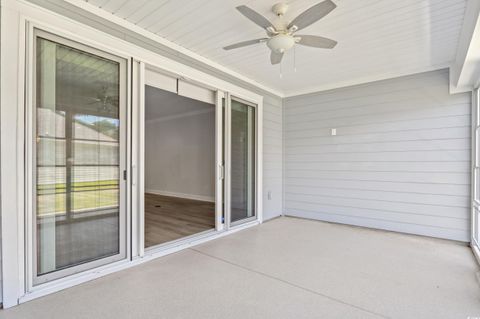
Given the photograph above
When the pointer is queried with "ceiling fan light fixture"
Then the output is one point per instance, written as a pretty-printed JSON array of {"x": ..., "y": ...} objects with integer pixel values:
[
  {"x": 281, "y": 43},
  {"x": 281, "y": 35}
]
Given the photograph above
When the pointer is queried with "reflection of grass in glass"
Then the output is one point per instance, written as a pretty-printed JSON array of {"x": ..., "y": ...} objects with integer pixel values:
[
  {"x": 85, "y": 196},
  {"x": 54, "y": 203}
]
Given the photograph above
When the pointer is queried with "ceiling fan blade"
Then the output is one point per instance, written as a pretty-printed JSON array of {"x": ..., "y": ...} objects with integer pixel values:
[
  {"x": 316, "y": 41},
  {"x": 244, "y": 43},
  {"x": 313, "y": 14},
  {"x": 276, "y": 57},
  {"x": 255, "y": 17}
]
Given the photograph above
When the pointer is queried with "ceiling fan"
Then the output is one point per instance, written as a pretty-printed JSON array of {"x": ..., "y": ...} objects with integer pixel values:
[
  {"x": 104, "y": 99},
  {"x": 281, "y": 34}
]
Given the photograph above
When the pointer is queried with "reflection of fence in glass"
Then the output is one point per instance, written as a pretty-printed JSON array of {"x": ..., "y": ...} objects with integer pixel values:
[
  {"x": 94, "y": 168},
  {"x": 88, "y": 195}
]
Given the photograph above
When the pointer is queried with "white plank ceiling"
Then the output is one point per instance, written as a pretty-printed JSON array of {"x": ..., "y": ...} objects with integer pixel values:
[{"x": 377, "y": 38}]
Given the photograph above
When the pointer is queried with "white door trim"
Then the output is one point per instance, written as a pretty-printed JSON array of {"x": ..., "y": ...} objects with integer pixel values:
[{"x": 258, "y": 160}]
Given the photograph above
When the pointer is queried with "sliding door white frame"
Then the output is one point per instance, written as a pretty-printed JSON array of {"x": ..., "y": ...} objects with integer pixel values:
[
  {"x": 475, "y": 180},
  {"x": 222, "y": 159},
  {"x": 32, "y": 282},
  {"x": 31, "y": 243},
  {"x": 18, "y": 17},
  {"x": 257, "y": 165},
  {"x": 227, "y": 190},
  {"x": 157, "y": 76},
  {"x": 219, "y": 164},
  {"x": 138, "y": 162}
]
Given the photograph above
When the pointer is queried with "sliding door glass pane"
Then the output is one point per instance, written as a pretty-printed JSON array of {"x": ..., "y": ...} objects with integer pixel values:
[
  {"x": 77, "y": 157},
  {"x": 242, "y": 161}
]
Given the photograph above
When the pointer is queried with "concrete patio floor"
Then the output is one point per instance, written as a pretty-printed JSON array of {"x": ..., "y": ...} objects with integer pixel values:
[{"x": 284, "y": 268}]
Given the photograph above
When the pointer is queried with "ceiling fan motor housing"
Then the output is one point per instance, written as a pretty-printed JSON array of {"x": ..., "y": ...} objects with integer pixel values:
[
  {"x": 280, "y": 8},
  {"x": 281, "y": 43}
]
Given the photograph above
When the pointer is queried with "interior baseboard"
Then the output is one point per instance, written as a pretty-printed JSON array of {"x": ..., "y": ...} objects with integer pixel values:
[{"x": 181, "y": 195}]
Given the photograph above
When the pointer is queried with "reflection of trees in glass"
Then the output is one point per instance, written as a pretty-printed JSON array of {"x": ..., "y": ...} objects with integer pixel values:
[{"x": 106, "y": 127}]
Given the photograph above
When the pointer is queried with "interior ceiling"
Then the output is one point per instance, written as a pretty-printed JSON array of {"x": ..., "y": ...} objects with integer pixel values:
[
  {"x": 160, "y": 103},
  {"x": 376, "y": 38}
]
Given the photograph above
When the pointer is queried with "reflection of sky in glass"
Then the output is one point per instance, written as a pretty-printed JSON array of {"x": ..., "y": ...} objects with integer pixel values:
[{"x": 90, "y": 119}]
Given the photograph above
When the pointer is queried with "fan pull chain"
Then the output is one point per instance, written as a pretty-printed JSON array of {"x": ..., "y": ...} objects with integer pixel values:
[
  {"x": 294, "y": 59},
  {"x": 281, "y": 74}
]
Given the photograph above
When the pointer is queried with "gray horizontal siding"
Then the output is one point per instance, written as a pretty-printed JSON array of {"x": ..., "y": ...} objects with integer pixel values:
[
  {"x": 400, "y": 160},
  {"x": 272, "y": 156}
]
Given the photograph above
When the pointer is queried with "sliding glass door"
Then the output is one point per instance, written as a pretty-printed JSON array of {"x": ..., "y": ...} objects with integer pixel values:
[
  {"x": 242, "y": 155},
  {"x": 79, "y": 158}
]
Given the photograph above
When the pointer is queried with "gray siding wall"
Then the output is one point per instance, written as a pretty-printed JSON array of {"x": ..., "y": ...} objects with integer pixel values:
[
  {"x": 400, "y": 160},
  {"x": 272, "y": 157}
]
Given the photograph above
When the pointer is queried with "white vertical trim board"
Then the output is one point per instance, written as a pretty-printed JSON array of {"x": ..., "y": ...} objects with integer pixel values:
[
  {"x": 259, "y": 161},
  {"x": 1, "y": 92},
  {"x": 464, "y": 71},
  {"x": 474, "y": 191},
  {"x": 12, "y": 51},
  {"x": 219, "y": 165},
  {"x": 400, "y": 160}
]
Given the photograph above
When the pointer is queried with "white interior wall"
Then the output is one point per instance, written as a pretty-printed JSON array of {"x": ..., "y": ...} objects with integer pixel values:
[
  {"x": 400, "y": 160},
  {"x": 180, "y": 155}
]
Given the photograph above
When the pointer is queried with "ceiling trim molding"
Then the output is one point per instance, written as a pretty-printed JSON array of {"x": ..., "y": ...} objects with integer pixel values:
[
  {"x": 465, "y": 71},
  {"x": 364, "y": 80},
  {"x": 152, "y": 36}
]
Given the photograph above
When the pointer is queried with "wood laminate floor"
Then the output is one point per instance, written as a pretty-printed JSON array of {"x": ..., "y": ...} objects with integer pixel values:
[{"x": 170, "y": 218}]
